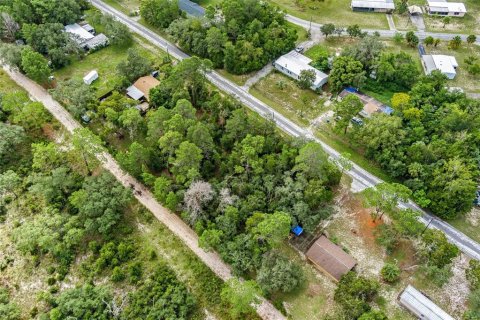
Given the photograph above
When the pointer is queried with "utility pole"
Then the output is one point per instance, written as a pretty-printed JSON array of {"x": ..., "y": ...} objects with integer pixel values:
[
  {"x": 309, "y": 32},
  {"x": 428, "y": 224}
]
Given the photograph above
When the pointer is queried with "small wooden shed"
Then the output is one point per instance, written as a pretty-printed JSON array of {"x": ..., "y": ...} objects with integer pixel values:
[{"x": 330, "y": 258}]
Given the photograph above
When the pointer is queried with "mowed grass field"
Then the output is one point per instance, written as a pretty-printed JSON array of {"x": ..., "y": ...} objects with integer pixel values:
[
  {"x": 332, "y": 11},
  {"x": 105, "y": 62}
]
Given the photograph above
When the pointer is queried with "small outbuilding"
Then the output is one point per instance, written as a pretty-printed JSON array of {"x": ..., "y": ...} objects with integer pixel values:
[
  {"x": 444, "y": 8},
  {"x": 385, "y": 6},
  {"x": 293, "y": 63},
  {"x": 90, "y": 77},
  {"x": 447, "y": 65},
  {"x": 415, "y": 10},
  {"x": 420, "y": 306},
  {"x": 330, "y": 258}
]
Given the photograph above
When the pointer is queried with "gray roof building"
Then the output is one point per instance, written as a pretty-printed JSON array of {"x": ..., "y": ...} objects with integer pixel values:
[
  {"x": 96, "y": 42},
  {"x": 447, "y": 65},
  {"x": 420, "y": 306},
  {"x": 373, "y": 5}
]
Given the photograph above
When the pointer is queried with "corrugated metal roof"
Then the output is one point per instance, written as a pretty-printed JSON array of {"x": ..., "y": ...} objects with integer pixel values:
[
  {"x": 80, "y": 32},
  {"x": 97, "y": 41},
  {"x": 443, "y": 6},
  {"x": 296, "y": 62},
  {"x": 376, "y": 4},
  {"x": 421, "y": 306},
  {"x": 330, "y": 257},
  {"x": 134, "y": 93}
]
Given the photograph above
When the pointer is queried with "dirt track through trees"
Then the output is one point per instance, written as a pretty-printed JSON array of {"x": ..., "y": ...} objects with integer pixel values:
[{"x": 265, "y": 309}]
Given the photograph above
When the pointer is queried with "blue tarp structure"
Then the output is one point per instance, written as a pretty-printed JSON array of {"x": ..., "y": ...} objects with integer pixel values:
[
  {"x": 387, "y": 110},
  {"x": 421, "y": 50},
  {"x": 351, "y": 89},
  {"x": 297, "y": 230}
]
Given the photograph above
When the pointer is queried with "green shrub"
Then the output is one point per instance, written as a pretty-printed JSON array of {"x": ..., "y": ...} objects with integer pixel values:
[
  {"x": 438, "y": 276},
  {"x": 390, "y": 272},
  {"x": 117, "y": 274},
  {"x": 473, "y": 274},
  {"x": 135, "y": 272}
]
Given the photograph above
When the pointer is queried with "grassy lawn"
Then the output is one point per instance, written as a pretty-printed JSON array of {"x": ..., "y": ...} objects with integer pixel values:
[
  {"x": 301, "y": 32},
  {"x": 467, "y": 24},
  {"x": 238, "y": 79},
  {"x": 314, "y": 298},
  {"x": 402, "y": 22},
  {"x": 334, "y": 46},
  {"x": 284, "y": 95},
  {"x": 7, "y": 85},
  {"x": 332, "y": 11},
  {"x": 105, "y": 62},
  {"x": 467, "y": 228},
  {"x": 126, "y": 6}
]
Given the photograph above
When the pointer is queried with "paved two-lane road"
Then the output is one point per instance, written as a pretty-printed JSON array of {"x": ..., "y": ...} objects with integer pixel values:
[
  {"x": 361, "y": 178},
  {"x": 383, "y": 33}
]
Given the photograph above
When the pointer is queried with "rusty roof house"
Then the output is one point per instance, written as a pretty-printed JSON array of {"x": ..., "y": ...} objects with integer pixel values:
[{"x": 330, "y": 258}]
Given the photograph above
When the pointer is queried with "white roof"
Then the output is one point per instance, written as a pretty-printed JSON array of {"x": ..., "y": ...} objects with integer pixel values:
[
  {"x": 134, "y": 93},
  {"x": 377, "y": 4},
  {"x": 77, "y": 30},
  {"x": 446, "y": 64},
  {"x": 444, "y": 6},
  {"x": 296, "y": 62},
  {"x": 421, "y": 306},
  {"x": 90, "y": 77}
]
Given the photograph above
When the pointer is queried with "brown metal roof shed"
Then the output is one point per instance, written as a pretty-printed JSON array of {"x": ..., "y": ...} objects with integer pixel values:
[
  {"x": 144, "y": 84},
  {"x": 330, "y": 258}
]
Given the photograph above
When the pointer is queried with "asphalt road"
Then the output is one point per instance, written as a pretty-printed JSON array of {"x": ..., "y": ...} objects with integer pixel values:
[
  {"x": 383, "y": 33},
  {"x": 361, "y": 178}
]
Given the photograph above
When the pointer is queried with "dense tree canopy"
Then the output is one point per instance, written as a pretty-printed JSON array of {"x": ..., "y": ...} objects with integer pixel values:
[
  {"x": 251, "y": 34},
  {"x": 354, "y": 292},
  {"x": 86, "y": 302},
  {"x": 431, "y": 143},
  {"x": 100, "y": 202},
  {"x": 161, "y": 296}
]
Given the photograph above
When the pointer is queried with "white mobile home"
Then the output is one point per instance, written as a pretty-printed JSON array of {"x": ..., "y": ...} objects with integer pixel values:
[
  {"x": 447, "y": 65},
  {"x": 444, "y": 8},
  {"x": 386, "y": 6},
  {"x": 85, "y": 38},
  {"x": 293, "y": 63},
  {"x": 420, "y": 306}
]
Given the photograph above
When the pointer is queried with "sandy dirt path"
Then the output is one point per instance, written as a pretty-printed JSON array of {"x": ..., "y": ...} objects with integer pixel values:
[{"x": 265, "y": 309}]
